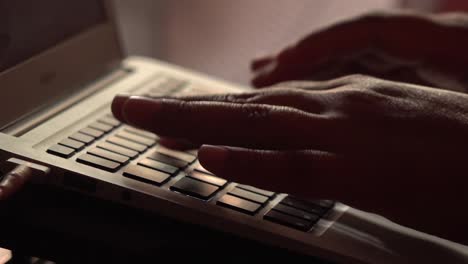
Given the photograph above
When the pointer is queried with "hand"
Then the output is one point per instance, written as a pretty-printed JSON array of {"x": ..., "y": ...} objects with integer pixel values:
[
  {"x": 14, "y": 181},
  {"x": 4, "y": 43},
  {"x": 425, "y": 49},
  {"x": 391, "y": 148}
]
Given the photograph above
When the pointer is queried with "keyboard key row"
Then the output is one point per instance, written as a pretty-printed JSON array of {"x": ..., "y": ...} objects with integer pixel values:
[
  {"x": 156, "y": 165},
  {"x": 243, "y": 200},
  {"x": 118, "y": 149},
  {"x": 126, "y": 144},
  {"x": 146, "y": 175},
  {"x": 61, "y": 151},
  {"x": 136, "y": 138},
  {"x": 169, "y": 85},
  {"x": 239, "y": 204},
  {"x": 207, "y": 178},
  {"x": 140, "y": 132},
  {"x": 92, "y": 132},
  {"x": 71, "y": 143},
  {"x": 85, "y": 136},
  {"x": 167, "y": 159},
  {"x": 298, "y": 213},
  {"x": 98, "y": 162},
  {"x": 109, "y": 155},
  {"x": 195, "y": 188},
  {"x": 288, "y": 220}
]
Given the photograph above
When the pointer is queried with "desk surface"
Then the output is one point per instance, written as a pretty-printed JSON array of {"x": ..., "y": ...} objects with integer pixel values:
[{"x": 68, "y": 228}]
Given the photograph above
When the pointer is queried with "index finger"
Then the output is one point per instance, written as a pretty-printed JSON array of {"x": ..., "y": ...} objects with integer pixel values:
[{"x": 245, "y": 125}]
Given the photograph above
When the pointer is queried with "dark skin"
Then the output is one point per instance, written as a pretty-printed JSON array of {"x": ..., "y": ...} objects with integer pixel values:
[
  {"x": 4, "y": 43},
  {"x": 419, "y": 48},
  {"x": 386, "y": 146},
  {"x": 392, "y": 145}
]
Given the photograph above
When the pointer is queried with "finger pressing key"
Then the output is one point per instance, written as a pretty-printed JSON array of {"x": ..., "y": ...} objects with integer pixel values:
[{"x": 236, "y": 124}]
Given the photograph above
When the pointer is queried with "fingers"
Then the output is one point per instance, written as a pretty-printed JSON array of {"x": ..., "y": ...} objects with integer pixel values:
[
  {"x": 14, "y": 181},
  {"x": 178, "y": 143},
  {"x": 379, "y": 32},
  {"x": 275, "y": 96},
  {"x": 261, "y": 62},
  {"x": 307, "y": 173},
  {"x": 298, "y": 61},
  {"x": 4, "y": 42},
  {"x": 248, "y": 125}
]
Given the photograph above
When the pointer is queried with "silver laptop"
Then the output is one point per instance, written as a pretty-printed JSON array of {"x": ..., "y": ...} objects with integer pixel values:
[{"x": 61, "y": 64}]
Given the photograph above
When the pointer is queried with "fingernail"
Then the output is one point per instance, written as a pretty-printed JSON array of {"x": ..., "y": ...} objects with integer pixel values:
[
  {"x": 140, "y": 111},
  {"x": 213, "y": 157},
  {"x": 118, "y": 104}
]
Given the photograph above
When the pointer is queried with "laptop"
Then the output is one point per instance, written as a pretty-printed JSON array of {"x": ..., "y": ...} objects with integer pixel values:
[{"x": 61, "y": 64}]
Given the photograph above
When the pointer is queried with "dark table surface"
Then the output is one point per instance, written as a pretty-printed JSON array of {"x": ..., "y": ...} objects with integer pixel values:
[{"x": 68, "y": 228}]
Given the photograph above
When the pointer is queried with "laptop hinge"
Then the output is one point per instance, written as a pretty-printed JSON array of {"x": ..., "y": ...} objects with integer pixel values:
[{"x": 35, "y": 118}]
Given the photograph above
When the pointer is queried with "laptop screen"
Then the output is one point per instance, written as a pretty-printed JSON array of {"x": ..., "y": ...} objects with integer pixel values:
[{"x": 28, "y": 27}]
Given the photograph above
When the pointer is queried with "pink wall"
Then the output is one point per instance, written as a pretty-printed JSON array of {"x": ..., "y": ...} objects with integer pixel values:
[{"x": 220, "y": 37}]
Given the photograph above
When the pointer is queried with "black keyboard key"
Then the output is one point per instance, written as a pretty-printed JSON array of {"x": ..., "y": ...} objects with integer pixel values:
[
  {"x": 304, "y": 205},
  {"x": 207, "y": 178},
  {"x": 110, "y": 121},
  {"x": 92, "y": 132},
  {"x": 156, "y": 165},
  {"x": 126, "y": 144},
  {"x": 167, "y": 86},
  {"x": 288, "y": 220},
  {"x": 109, "y": 155},
  {"x": 177, "y": 154},
  {"x": 297, "y": 213},
  {"x": 194, "y": 188},
  {"x": 256, "y": 190},
  {"x": 168, "y": 160},
  {"x": 324, "y": 203},
  {"x": 98, "y": 162},
  {"x": 101, "y": 126},
  {"x": 261, "y": 199},
  {"x": 146, "y": 175},
  {"x": 117, "y": 149},
  {"x": 82, "y": 138},
  {"x": 61, "y": 151},
  {"x": 239, "y": 204},
  {"x": 68, "y": 142},
  {"x": 136, "y": 138},
  {"x": 140, "y": 132}
]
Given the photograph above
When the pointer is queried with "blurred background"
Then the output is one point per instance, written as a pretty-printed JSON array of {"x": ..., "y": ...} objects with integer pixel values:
[{"x": 221, "y": 37}]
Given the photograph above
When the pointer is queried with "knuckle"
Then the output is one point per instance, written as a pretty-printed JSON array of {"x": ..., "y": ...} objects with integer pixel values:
[
  {"x": 389, "y": 90},
  {"x": 181, "y": 107},
  {"x": 256, "y": 114},
  {"x": 233, "y": 98},
  {"x": 358, "y": 78},
  {"x": 358, "y": 97}
]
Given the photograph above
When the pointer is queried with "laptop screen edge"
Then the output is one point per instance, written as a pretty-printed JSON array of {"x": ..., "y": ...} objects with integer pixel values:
[{"x": 60, "y": 70}]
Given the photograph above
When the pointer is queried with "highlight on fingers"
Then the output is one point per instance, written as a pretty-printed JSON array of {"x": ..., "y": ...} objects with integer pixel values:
[
  {"x": 239, "y": 124},
  {"x": 261, "y": 62},
  {"x": 295, "y": 172},
  {"x": 12, "y": 182}
]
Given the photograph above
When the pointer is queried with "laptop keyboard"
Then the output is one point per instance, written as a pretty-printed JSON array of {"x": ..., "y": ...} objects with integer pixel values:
[{"x": 109, "y": 145}]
